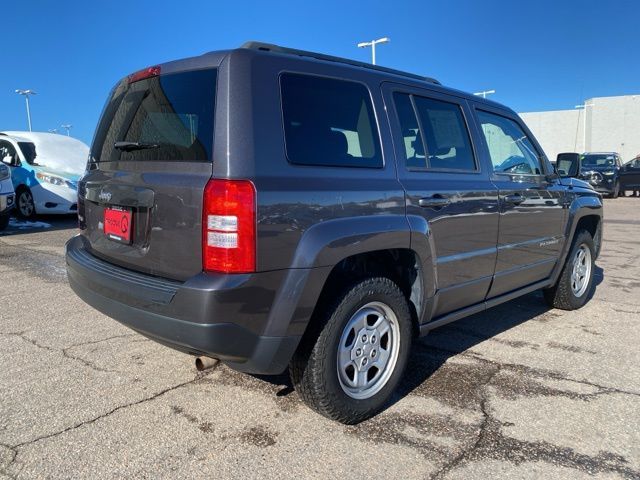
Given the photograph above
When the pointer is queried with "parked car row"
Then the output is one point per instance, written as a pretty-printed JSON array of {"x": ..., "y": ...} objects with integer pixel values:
[{"x": 604, "y": 171}]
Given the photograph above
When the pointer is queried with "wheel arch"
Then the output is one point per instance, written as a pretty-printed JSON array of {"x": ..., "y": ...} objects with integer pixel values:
[
  {"x": 585, "y": 212},
  {"x": 401, "y": 265}
]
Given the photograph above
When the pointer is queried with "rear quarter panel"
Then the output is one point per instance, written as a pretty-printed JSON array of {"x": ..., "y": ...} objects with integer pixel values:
[{"x": 308, "y": 216}]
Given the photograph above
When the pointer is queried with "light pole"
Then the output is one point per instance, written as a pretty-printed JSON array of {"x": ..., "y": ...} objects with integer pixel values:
[
  {"x": 584, "y": 123},
  {"x": 26, "y": 94},
  {"x": 484, "y": 93},
  {"x": 53, "y": 130},
  {"x": 67, "y": 127},
  {"x": 373, "y": 44}
]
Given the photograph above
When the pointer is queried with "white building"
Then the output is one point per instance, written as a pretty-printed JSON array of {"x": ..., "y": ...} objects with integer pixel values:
[{"x": 612, "y": 125}]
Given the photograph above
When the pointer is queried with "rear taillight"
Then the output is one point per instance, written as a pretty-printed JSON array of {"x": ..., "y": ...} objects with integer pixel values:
[
  {"x": 229, "y": 226},
  {"x": 144, "y": 73}
]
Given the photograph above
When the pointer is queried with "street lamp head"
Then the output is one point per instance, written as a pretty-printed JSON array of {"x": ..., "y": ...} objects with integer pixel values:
[
  {"x": 25, "y": 92},
  {"x": 484, "y": 93},
  {"x": 373, "y": 44}
]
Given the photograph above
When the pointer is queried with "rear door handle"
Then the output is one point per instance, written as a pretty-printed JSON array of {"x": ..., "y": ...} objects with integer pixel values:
[
  {"x": 515, "y": 199},
  {"x": 435, "y": 201}
]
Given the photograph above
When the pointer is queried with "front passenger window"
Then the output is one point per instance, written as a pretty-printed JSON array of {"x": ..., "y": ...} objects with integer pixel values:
[{"x": 510, "y": 149}]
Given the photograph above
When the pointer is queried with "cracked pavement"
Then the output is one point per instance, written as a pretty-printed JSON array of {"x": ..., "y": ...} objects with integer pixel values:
[{"x": 518, "y": 391}]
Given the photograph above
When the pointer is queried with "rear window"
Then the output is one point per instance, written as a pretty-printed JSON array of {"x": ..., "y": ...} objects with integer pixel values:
[
  {"x": 329, "y": 122},
  {"x": 171, "y": 116}
]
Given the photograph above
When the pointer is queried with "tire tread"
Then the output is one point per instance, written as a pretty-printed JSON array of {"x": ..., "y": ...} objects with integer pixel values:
[
  {"x": 308, "y": 367},
  {"x": 560, "y": 295}
]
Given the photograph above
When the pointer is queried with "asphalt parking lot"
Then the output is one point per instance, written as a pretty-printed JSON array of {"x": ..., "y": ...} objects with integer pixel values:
[{"x": 520, "y": 391}]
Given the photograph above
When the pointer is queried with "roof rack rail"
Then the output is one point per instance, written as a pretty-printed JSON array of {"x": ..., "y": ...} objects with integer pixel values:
[{"x": 268, "y": 47}]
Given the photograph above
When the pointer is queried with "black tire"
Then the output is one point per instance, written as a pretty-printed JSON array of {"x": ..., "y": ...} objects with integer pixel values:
[
  {"x": 314, "y": 367},
  {"x": 562, "y": 295},
  {"x": 616, "y": 190},
  {"x": 4, "y": 221},
  {"x": 25, "y": 206}
]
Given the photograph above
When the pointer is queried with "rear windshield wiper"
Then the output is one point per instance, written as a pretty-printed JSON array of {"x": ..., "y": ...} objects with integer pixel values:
[{"x": 130, "y": 146}]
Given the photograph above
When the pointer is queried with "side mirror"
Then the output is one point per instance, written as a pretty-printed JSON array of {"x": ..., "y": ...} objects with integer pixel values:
[{"x": 568, "y": 164}]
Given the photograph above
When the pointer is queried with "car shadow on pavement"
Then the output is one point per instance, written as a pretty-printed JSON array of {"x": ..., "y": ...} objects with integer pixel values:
[
  {"x": 40, "y": 223},
  {"x": 430, "y": 353},
  {"x": 433, "y": 351}
]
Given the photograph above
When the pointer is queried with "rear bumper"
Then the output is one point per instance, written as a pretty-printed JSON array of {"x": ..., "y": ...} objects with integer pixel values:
[{"x": 199, "y": 316}]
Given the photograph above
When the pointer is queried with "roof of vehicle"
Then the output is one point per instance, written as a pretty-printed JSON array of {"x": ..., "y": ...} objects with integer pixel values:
[
  {"x": 313, "y": 56},
  {"x": 268, "y": 47},
  {"x": 25, "y": 136},
  {"x": 600, "y": 153},
  {"x": 260, "y": 48},
  {"x": 54, "y": 151}
]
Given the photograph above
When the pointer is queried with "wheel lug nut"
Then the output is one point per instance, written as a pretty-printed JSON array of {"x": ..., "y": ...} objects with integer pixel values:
[
  {"x": 373, "y": 339},
  {"x": 364, "y": 338},
  {"x": 373, "y": 353},
  {"x": 358, "y": 352},
  {"x": 364, "y": 362}
]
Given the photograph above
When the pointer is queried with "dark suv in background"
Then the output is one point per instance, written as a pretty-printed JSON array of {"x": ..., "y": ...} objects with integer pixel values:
[
  {"x": 277, "y": 208},
  {"x": 602, "y": 170},
  {"x": 630, "y": 176}
]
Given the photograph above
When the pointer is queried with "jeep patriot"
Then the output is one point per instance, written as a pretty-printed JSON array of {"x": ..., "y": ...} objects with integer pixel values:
[{"x": 274, "y": 208}]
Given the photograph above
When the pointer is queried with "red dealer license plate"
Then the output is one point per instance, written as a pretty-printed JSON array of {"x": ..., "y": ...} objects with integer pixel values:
[{"x": 117, "y": 224}]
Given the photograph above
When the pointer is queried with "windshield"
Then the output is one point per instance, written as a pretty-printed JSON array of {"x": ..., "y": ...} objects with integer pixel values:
[
  {"x": 29, "y": 152},
  {"x": 168, "y": 117},
  {"x": 598, "y": 160}
]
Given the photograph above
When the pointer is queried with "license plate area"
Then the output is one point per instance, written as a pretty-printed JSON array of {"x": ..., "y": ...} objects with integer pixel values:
[{"x": 118, "y": 224}]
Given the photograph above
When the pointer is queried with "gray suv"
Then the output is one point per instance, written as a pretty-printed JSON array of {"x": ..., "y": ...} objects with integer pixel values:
[{"x": 277, "y": 208}]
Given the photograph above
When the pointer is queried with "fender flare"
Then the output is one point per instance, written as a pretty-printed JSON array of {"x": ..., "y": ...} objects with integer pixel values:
[
  {"x": 581, "y": 206},
  {"x": 321, "y": 248}
]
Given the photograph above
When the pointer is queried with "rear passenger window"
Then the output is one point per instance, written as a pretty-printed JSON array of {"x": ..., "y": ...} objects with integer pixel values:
[
  {"x": 328, "y": 122},
  {"x": 438, "y": 125}
]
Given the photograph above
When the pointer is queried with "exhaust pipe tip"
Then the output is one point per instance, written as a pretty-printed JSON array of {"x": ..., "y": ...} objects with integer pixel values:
[{"x": 206, "y": 363}]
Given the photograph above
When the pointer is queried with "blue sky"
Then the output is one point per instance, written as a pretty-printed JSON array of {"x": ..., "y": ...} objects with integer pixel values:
[{"x": 537, "y": 55}]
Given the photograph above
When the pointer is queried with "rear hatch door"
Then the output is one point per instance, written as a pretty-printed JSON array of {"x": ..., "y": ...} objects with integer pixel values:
[{"x": 140, "y": 201}]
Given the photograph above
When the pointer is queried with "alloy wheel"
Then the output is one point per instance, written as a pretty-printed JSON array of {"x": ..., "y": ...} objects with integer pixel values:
[
  {"x": 368, "y": 350},
  {"x": 581, "y": 270}
]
